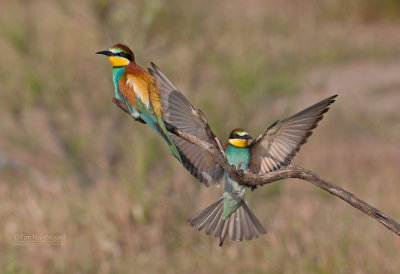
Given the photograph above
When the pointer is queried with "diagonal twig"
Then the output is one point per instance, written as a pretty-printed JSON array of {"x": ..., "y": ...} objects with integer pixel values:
[{"x": 251, "y": 179}]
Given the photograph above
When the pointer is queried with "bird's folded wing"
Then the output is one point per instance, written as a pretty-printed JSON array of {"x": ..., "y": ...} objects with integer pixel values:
[
  {"x": 178, "y": 112},
  {"x": 280, "y": 142}
]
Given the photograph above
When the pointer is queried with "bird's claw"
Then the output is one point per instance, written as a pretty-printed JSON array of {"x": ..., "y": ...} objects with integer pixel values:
[{"x": 240, "y": 172}]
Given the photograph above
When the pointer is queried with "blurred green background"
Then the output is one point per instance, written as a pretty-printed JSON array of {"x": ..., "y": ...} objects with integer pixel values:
[{"x": 72, "y": 163}]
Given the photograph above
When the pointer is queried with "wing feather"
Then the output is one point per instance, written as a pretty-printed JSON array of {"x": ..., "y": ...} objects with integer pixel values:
[
  {"x": 177, "y": 111},
  {"x": 277, "y": 146}
]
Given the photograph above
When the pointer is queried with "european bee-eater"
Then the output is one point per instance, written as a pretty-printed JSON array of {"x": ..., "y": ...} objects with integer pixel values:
[
  {"x": 139, "y": 90},
  {"x": 230, "y": 217}
]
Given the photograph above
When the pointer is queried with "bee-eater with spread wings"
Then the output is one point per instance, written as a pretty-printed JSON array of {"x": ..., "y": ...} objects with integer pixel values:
[
  {"x": 138, "y": 89},
  {"x": 230, "y": 217}
]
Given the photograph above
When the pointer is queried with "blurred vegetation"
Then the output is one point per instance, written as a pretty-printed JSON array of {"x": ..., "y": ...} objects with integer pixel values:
[{"x": 72, "y": 163}]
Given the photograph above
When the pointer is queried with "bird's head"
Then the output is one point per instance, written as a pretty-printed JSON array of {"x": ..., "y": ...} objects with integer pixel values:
[
  {"x": 119, "y": 55},
  {"x": 239, "y": 138}
]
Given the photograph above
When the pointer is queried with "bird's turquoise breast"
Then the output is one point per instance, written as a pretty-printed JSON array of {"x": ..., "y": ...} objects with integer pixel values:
[
  {"x": 237, "y": 156},
  {"x": 234, "y": 193},
  {"x": 117, "y": 73}
]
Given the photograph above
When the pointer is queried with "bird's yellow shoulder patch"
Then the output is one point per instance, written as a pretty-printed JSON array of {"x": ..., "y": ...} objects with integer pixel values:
[
  {"x": 140, "y": 88},
  {"x": 117, "y": 61},
  {"x": 239, "y": 142},
  {"x": 155, "y": 100}
]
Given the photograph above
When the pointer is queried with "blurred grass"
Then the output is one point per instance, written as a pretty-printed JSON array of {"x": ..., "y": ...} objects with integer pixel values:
[{"x": 71, "y": 163}]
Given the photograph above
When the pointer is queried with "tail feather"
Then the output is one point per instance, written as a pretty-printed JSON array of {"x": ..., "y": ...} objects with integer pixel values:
[
  {"x": 160, "y": 128},
  {"x": 214, "y": 220},
  {"x": 242, "y": 224},
  {"x": 218, "y": 229},
  {"x": 202, "y": 219},
  {"x": 168, "y": 140},
  {"x": 246, "y": 228},
  {"x": 258, "y": 228}
]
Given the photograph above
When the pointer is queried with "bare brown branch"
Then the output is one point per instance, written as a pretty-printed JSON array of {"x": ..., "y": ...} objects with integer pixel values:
[
  {"x": 251, "y": 179},
  {"x": 124, "y": 107}
]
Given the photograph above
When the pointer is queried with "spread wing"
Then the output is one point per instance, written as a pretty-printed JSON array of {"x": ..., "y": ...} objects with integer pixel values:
[
  {"x": 177, "y": 111},
  {"x": 280, "y": 142}
]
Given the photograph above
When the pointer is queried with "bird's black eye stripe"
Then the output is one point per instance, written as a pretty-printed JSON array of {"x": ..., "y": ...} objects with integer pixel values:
[{"x": 125, "y": 55}]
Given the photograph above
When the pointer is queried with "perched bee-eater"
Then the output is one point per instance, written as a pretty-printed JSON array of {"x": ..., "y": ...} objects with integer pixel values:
[
  {"x": 230, "y": 217},
  {"x": 138, "y": 89}
]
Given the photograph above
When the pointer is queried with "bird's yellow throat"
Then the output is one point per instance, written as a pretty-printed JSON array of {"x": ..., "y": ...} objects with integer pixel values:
[
  {"x": 117, "y": 61},
  {"x": 239, "y": 142}
]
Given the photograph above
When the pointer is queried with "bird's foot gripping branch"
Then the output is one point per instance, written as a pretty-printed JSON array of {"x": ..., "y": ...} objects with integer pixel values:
[{"x": 251, "y": 180}]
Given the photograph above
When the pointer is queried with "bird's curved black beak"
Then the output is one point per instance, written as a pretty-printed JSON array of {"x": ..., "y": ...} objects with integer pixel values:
[
  {"x": 247, "y": 136},
  {"x": 105, "y": 52}
]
